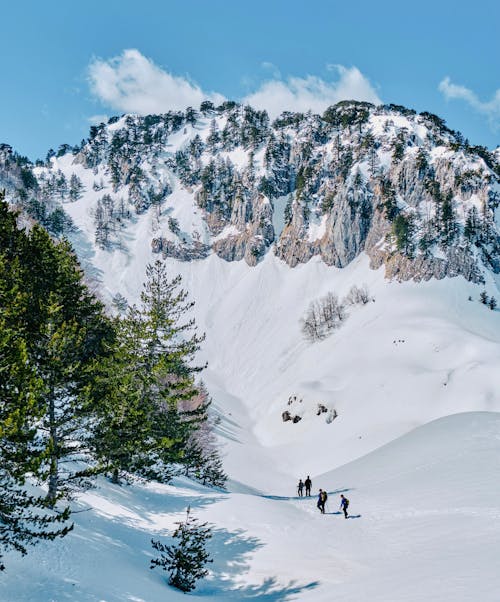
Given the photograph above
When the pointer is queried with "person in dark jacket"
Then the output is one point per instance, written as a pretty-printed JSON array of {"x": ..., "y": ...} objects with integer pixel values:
[
  {"x": 308, "y": 484},
  {"x": 344, "y": 504},
  {"x": 322, "y": 497},
  {"x": 300, "y": 488}
]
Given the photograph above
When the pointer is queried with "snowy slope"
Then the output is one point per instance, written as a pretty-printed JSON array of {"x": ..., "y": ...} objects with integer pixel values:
[
  {"x": 428, "y": 502},
  {"x": 425, "y": 525},
  {"x": 418, "y": 352}
]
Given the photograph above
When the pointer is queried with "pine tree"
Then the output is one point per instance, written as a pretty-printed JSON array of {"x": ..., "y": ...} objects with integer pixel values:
[
  {"x": 61, "y": 185},
  {"x": 493, "y": 303},
  {"x": 120, "y": 303},
  {"x": 67, "y": 333},
  {"x": 472, "y": 224},
  {"x": 373, "y": 162},
  {"x": 288, "y": 213},
  {"x": 75, "y": 188},
  {"x": 446, "y": 221},
  {"x": 483, "y": 297},
  {"x": 24, "y": 517},
  {"x": 403, "y": 229},
  {"x": 201, "y": 456},
  {"x": 143, "y": 429},
  {"x": 213, "y": 138},
  {"x": 186, "y": 560}
]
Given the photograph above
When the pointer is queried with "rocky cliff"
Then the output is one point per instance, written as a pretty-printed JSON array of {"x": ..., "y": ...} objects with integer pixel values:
[{"x": 397, "y": 185}]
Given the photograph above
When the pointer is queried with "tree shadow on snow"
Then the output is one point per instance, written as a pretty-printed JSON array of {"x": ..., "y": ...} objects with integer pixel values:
[
  {"x": 232, "y": 552},
  {"x": 138, "y": 504},
  {"x": 85, "y": 251},
  {"x": 269, "y": 591},
  {"x": 111, "y": 543},
  {"x": 226, "y": 426}
]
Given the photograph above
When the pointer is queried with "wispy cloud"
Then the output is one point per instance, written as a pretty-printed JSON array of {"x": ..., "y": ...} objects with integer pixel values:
[
  {"x": 272, "y": 69},
  {"x": 97, "y": 119},
  {"x": 312, "y": 92},
  {"x": 489, "y": 108},
  {"x": 132, "y": 83}
]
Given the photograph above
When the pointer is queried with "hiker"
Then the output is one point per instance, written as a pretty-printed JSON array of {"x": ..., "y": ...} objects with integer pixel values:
[
  {"x": 322, "y": 497},
  {"x": 344, "y": 504},
  {"x": 300, "y": 488},
  {"x": 308, "y": 484}
]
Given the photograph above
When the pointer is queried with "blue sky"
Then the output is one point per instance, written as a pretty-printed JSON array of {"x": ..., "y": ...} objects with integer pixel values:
[{"x": 63, "y": 64}]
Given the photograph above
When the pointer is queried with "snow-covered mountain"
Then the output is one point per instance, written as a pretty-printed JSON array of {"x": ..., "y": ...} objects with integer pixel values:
[
  {"x": 401, "y": 187},
  {"x": 262, "y": 220}
]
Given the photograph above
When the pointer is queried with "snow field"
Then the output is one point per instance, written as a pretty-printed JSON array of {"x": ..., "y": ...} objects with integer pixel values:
[{"x": 424, "y": 525}]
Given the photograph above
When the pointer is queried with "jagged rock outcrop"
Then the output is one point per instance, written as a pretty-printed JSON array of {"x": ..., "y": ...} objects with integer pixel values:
[
  {"x": 457, "y": 262},
  {"x": 181, "y": 251},
  {"x": 397, "y": 185},
  {"x": 253, "y": 221}
]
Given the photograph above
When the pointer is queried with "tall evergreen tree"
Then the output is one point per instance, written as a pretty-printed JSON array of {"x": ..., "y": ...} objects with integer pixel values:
[
  {"x": 65, "y": 332},
  {"x": 68, "y": 334},
  {"x": 24, "y": 517},
  {"x": 144, "y": 429},
  {"x": 403, "y": 230},
  {"x": 446, "y": 221},
  {"x": 75, "y": 188}
]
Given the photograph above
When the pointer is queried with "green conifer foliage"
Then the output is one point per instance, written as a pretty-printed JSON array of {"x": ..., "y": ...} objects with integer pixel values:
[
  {"x": 185, "y": 560},
  {"x": 68, "y": 334},
  {"x": 25, "y": 516},
  {"x": 145, "y": 425}
]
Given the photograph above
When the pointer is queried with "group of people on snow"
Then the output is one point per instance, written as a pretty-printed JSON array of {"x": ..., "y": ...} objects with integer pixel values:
[
  {"x": 322, "y": 496},
  {"x": 307, "y": 484}
]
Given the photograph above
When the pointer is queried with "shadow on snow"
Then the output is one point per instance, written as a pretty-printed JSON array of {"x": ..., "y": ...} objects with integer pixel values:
[{"x": 232, "y": 552}]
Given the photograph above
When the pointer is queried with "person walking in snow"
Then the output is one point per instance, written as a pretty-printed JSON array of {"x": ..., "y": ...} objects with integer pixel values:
[
  {"x": 300, "y": 488},
  {"x": 322, "y": 497},
  {"x": 308, "y": 484},
  {"x": 344, "y": 504}
]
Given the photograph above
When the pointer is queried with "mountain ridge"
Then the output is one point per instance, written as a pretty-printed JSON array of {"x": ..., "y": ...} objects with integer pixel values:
[{"x": 400, "y": 186}]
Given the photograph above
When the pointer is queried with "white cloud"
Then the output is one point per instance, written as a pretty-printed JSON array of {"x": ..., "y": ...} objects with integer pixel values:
[
  {"x": 97, "y": 119},
  {"x": 453, "y": 91},
  {"x": 312, "y": 92},
  {"x": 272, "y": 69},
  {"x": 132, "y": 83}
]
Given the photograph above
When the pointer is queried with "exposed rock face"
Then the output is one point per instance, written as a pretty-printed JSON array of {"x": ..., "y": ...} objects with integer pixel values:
[
  {"x": 399, "y": 186},
  {"x": 257, "y": 232},
  {"x": 184, "y": 252},
  {"x": 358, "y": 214},
  {"x": 458, "y": 262}
]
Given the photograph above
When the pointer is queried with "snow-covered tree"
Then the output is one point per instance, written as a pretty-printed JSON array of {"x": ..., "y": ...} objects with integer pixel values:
[{"x": 75, "y": 188}]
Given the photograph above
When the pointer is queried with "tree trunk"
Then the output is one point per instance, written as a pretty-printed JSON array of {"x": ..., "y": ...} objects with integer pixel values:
[
  {"x": 115, "y": 477},
  {"x": 54, "y": 452}
]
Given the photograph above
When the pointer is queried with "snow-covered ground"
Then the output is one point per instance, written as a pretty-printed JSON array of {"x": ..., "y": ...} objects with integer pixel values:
[
  {"x": 424, "y": 525},
  {"x": 413, "y": 376}
]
